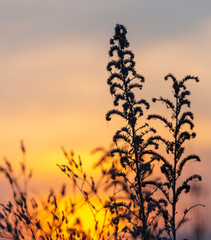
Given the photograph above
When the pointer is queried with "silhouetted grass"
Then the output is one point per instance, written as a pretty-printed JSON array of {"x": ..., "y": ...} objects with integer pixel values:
[{"x": 125, "y": 201}]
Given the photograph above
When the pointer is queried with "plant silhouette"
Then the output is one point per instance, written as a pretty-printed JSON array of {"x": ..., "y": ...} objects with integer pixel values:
[
  {"x": 26, "y": 217},
  {"x": 127, "y": 201},
  {"x": 175, "y": 147},
  {"x": 136, "y": 155}
]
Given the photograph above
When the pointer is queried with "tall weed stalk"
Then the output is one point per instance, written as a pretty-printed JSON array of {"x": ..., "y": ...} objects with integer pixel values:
[
  {"x": 180, "y": 127},
  {"x": 134, "y": 143}
]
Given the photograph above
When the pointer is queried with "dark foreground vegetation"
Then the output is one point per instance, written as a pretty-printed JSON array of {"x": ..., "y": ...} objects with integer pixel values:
[{"x": 141, "y": 182}]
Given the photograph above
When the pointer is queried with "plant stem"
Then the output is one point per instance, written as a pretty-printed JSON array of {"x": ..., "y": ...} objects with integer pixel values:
[
  {"x": 174, "y": 176},
  {"x": 139, "y": 187},
  {"x": 138, "y": 177}
]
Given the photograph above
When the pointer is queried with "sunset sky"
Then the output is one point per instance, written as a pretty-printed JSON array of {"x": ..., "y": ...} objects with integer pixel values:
[{"x": 53, "y": 91}]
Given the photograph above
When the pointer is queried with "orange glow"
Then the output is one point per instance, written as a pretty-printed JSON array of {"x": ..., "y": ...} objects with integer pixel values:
[{"x": 54, "y": 94}]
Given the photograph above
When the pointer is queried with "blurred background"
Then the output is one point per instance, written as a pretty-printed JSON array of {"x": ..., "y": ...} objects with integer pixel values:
[{"x": 53, "y": 89}]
